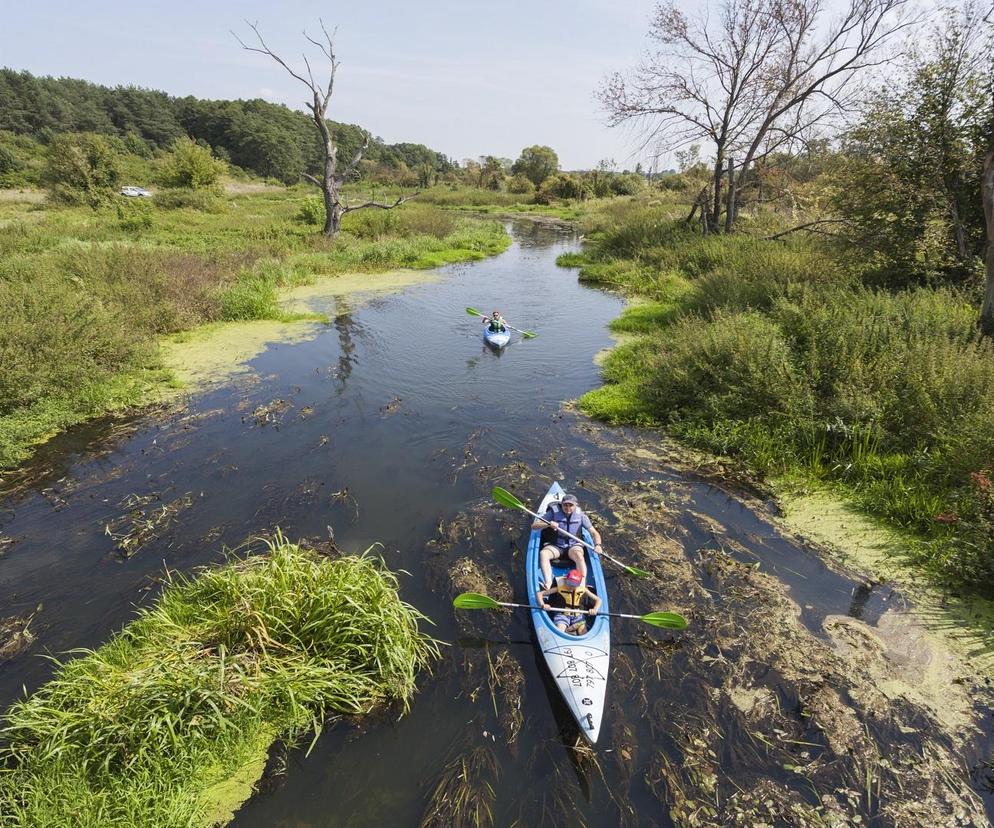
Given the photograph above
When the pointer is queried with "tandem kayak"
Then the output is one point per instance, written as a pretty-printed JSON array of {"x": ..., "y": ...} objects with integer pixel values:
[
  {"x": 496, "y": 339},
  {"x": 578, "y": 664}
]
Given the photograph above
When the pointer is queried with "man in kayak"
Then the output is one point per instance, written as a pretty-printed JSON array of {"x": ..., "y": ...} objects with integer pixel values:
[
  {"x": 496, "y": 322},
  {"x": 565, "y": 515},
  {"x": 569, "y": 593}
]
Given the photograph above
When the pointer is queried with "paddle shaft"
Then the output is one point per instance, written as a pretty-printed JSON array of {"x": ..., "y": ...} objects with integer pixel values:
[
  {"x": 475, "y": 312},
  {"x": 562, "y": 531},
  {"x": 569, "y": 610}
]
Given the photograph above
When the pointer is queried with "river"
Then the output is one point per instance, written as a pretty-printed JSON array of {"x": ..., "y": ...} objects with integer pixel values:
[{"x": 387, "y": 426}]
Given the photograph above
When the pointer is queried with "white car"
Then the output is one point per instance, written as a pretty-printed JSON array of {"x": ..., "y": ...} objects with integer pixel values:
[{"x": 135, "y": 192}]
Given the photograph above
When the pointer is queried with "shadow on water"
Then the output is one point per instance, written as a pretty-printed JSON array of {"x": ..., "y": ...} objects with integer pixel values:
[{"x": 375, "y": 435}]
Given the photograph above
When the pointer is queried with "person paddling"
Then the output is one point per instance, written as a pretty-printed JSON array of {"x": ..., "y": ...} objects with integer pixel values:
[
  {"x": 566, "y": 515},
  {"x": 569, "y": 593},
  {"x": 496, "y": 322}
]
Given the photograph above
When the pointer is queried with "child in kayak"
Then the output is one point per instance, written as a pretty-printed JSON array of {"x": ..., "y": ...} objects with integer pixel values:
[
  {"x": 569, "y": 593},
  {"x": 496, "y": 322}
]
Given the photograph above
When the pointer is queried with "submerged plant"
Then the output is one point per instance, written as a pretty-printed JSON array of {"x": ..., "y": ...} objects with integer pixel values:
[{"x": 200, "y": 684}]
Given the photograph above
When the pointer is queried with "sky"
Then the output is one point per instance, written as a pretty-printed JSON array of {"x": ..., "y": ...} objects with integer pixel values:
[{"x": 465, "y": 78}]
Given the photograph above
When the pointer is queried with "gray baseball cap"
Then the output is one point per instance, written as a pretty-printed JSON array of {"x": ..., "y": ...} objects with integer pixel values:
[{"x": 569, "y": 498}]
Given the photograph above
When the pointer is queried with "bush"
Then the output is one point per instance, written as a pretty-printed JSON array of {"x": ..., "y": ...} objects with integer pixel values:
[
  {"x": 81, "y": 169},
  {"x": 520, "y": 185},
  {"x": 134, "y": 216},
  {"x": 191, "y": 166},
  {"x": 731, "y": 367},
  {"x": 311, "y": 210}
]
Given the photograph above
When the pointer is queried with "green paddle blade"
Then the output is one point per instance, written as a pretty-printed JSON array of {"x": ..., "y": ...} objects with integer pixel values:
[
  {"x": 473, "y": 312},
  {"x": 638, "y": 573},
  {"x": 528, "y": 334},
  {"x": 473, "y": 600},
  {"x": 505, "y": 498},
  {"x": 666, "y": 620}
]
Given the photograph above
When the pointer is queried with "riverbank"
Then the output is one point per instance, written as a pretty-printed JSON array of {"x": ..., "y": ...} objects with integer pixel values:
[
  {"x": 91, "y": 293},
  {"x": 165, "y": 723},
  {"x": 775, "y": 353}
]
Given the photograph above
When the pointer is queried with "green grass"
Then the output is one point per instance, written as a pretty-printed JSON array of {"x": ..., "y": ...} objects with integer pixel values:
[
  {"x": 777, "y": 354},
  {"x": 88, "y": 293},
  {"x": 139, "y": 731}
]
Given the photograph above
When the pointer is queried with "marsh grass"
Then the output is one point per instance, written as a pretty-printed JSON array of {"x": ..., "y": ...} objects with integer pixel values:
[
  {"x": 263, "y": 648},
  {"x": 778, "y": 354},
  {"x": 87, "y": 293}
]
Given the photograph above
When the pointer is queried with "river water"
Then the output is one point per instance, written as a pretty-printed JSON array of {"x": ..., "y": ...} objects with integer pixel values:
[{"x": 387, "y": 424}]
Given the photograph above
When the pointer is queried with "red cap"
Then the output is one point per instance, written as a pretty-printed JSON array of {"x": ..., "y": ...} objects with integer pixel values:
[{"x": 574, "y": 578}]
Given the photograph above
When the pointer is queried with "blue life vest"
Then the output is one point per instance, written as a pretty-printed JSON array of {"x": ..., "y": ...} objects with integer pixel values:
[{"x": 572, "y": 524}]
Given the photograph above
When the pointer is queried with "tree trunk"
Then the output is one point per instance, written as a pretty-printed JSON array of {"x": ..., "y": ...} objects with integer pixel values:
[
  {"x": 987, "y": 310},
  {"x": 959, "y": 232},
  {"x": 730, "y": 206},
  {"x": 715, "y": 212}
]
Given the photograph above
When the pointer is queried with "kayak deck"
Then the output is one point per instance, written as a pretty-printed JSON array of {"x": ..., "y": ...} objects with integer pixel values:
[
  {"x": 578, "y": 664},
  {"x": 496, "y": 339}
]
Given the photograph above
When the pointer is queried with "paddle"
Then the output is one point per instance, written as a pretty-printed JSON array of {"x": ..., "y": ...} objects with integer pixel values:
[
  {"x": 505, "y": 498},
  {"x": 666, "y": 620},
  {"x": 525, "y": 334}
]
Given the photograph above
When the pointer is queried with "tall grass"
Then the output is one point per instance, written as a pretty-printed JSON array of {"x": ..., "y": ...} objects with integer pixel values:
[
  {"x": 269, "y": 647},
  {"x": 777, "y": 353},
  {"x": 85, "y": 295}
]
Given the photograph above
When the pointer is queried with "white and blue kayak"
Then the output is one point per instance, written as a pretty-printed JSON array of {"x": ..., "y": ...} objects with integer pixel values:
[
  {"x": 496, "y": 339},
  {"x": 578, "y": 664}
]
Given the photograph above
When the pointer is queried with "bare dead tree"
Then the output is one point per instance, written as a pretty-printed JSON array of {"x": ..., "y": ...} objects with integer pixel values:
[
  {"x": 702, "y": 82},
  {"x": 815, "y": 74},
  {"x": 333, "y": 176},
  {"x": 756, "y": 82}
]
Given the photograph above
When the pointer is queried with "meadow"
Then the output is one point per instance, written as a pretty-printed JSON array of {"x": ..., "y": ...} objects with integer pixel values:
[{"x": 89, "y": 292}]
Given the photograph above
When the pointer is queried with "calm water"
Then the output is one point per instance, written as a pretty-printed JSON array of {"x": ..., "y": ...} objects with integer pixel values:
[{"x": 389, "y": 422}]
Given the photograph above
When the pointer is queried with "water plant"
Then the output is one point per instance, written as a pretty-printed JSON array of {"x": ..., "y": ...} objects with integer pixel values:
[{"x": 268, "y": 647}]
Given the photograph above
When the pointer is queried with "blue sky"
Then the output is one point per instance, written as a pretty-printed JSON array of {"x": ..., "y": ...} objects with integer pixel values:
[{"x": 465, "y": 78}]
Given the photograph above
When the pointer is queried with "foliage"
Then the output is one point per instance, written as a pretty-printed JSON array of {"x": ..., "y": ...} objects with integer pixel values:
[
  {"x": 777, "y": 353},
  {"x": 565, "y": 185},
  {"x": 520, "y": 185},
  {"x": 311, "y": 210},
  {"x": 136, "y": 733},
  {"x": 191, "y": 166},
  {"x": 268, "y": 139},
  {"x": 135, "y": 216},
  {"x": 536, "y": 163},
  {"x": 81, "y": 169}
]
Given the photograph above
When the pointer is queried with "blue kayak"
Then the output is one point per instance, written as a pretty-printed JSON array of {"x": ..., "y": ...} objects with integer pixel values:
[
  {"x": 578, "y": 664},
  {"x": 496, "y": 339}
]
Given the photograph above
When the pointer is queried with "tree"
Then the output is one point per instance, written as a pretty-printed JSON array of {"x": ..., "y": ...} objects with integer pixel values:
[
  {"x": 987, "y": 310},
  {"x": 909, "y": 185},
  {"x": 757, "y": 82},
  {"x": 81, "y": 169},
  {"x": 536, "y": 163},
  {"x": 492, "y": 173},
  {"x": 333, "y": 177}
]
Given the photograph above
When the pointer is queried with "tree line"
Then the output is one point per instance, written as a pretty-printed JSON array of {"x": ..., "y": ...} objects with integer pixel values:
[{"x": 268, "y": 139}]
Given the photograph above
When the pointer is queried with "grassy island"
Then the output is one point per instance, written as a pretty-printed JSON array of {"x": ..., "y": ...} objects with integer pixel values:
[{"x": 149, "y": 729}]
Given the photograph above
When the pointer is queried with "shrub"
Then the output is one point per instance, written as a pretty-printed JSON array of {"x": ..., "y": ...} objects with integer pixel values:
[
  {"x": 731, "y": 367},
  {"x": 311, "y": 210},
  {"x": 81, "y": 169},
  {"x": 520, "y": 185},
  {"x": 134, "y": 216},
  {"x": 191, "y": 166}
]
